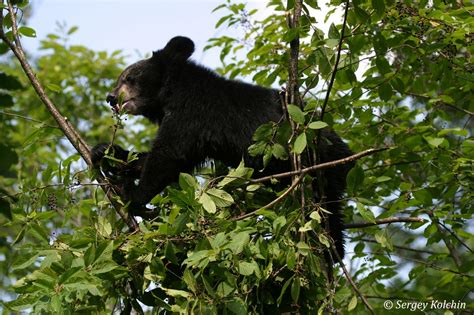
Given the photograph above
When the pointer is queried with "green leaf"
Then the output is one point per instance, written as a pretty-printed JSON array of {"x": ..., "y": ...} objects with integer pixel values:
[
  {"x": 177, "y": 293},
  {"x": 23, "y": 303},
  {"x": 207, "y": 203},
  {"x": 27, "y": 31},
  {"x": 9, "y": 82},
  {"x": 300, "y": 143},
  {"x": 382, "y": 65},
  {"x": 291, "y": 34},
  {"x": 238, "y": 242},
  {"x": 295, "y": 289},
  {"x": 24, "y": 261},
  {"x": 69, "y": 274},
  {"x": 382, "y": 239},
  {"x": 7, "y": 158},
  {"x": 236, "y": 176},
  {"x": 246, "y": 268},
  {"x": 6, "y": 100},
  {"x": 434, "y": 142},
  {"x": 324, "y": 240},
  {"x": 222, "y": 20},
  {"x": 291, "y": 259},
  {"x": 279, "y": 152},
  {"x": 379, "y": 6},
  {"x": 5, "y": 208},
  {"x": 72, "y": 30},
  {"x": 187, "y": 182},
  {"x": 352, "y": 304},
  {"x": 296, "y": 113},
  {"x": 385, "y": 91},
  {"x": 365, "y": 213},
  {"x": 264, "y": 132},
  {"x": 333, "y": 32},
  {"x": 317, "y": 125},
  {"x": 278, "y": 224},
  {"x": 236, "y": 306},
  {"x": 315, "y": 216},
  {"x": 54, "y": 87},
  {"x": 355, "y": 178},
  {"x": 190, "y": 281},
  {"x": 424, "y": 196},
  {"x": 382, "y": 179},
  {"x": 283, "y": 290},
  {"x": 220, "y": 197},
  {"x": 104, "y": 251}
]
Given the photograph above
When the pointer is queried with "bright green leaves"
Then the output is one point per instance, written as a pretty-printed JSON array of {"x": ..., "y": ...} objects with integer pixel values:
[
  {"x": 365, "y": 213},
  {"x": 63, "y": 275},
  {"x": 300, "y": 143},
  {"x": 54, "y": 87},
  {"x": 296, "y": 113},
  {"x": 272, "y": 139},
  {"x": 213, "y": 198},
  {"x": 355, "y": 178},
  {"x": 317, "y": 125},
  {"x": 379, "y": 7},
  {"x": 27, "y": 31}
]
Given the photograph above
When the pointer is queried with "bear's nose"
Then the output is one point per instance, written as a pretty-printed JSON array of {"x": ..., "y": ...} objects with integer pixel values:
[{"x": 111, "y": 99}]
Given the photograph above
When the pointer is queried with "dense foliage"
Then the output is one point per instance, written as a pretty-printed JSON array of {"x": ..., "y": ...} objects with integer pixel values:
[{"x": 403, "y": 80}]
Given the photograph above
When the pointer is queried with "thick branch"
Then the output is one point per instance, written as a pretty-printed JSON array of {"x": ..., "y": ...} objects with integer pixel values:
[
  {"x": 320, "y": 166},
  {"x": 74, "y": 138},
  {"x": 382, "y": 221},
  {"x": 294, "y": 23}
]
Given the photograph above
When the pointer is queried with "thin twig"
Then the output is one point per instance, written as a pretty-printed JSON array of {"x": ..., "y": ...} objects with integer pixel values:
[
  {"x": 351, "y": 281},
  {"x": 456, "y": 236},
  {"x": 452, "y": 251},
  {"x": 336, "y": 64},
  {"x": 382, "y": 221},
  {"x": 28, "y": 119},
  {"x": 272, "y": 203},
  {"x": 419, "y": 251},
  {"x": 320, "y": 166}
]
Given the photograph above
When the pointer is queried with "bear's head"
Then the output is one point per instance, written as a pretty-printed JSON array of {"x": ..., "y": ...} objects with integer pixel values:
[{"x": 139, "y": 84}]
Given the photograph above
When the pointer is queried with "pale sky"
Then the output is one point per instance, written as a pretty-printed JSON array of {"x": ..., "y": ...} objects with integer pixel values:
[{"x": 135, "y": 26}]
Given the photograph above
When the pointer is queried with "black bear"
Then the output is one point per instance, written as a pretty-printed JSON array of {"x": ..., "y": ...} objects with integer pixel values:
[{"x": 203, "y": 115}]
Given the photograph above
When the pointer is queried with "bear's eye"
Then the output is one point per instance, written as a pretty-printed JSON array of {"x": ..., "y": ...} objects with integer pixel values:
[{"x": 130, "y": 79}]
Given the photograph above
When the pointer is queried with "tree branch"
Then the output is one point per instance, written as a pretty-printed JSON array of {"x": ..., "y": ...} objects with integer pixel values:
[
  {"x": 452, "y": 251},
  {"x": 382, "y": 221},
  {"x": 419, "y": 251},
  {"x": 320, "y": 166},
  {"x": 351, "y": 281},
  {"x": 72, "y": 135},
  {"x": 294, "y": 23},
  {"x": 336, "y": 64},
  {"x": 274, "y": 202},
  {"x": 28, "y": 119}
]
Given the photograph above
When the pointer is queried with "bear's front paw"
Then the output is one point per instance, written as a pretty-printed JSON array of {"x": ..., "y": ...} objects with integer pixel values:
[{"x": 98, "y": 152}]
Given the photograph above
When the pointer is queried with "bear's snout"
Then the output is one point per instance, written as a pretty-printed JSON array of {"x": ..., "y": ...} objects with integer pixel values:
[{"x": 111, "y": 99}]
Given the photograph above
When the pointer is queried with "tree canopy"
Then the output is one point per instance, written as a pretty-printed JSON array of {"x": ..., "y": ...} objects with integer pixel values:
[{"x": 393, "y": 78}]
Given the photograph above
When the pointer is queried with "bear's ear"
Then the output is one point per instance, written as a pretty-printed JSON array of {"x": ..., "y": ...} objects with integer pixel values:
[{"x": 179, "y": 47}]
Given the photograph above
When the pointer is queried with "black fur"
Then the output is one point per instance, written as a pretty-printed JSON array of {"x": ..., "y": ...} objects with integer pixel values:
[{"x": 202, "y": 115}]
